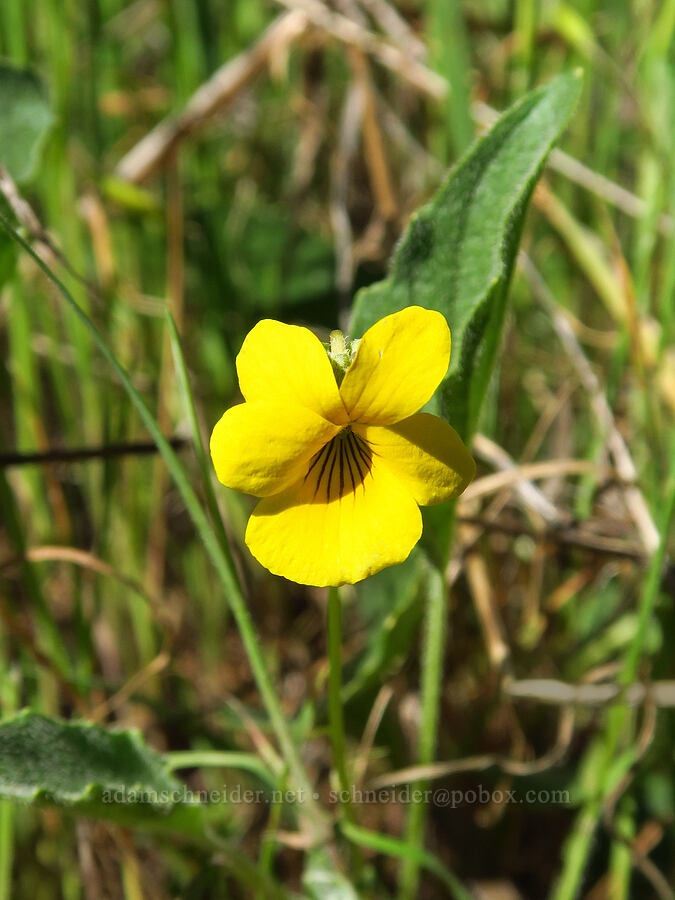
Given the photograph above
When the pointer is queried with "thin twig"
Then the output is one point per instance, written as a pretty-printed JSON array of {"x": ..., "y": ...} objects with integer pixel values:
[
  {"x": 597, "y": 543},
  {"x": 373, "y": 142},
  {"x": 374, "y": 719},
  {"x": 351, "y": 33},
  {"x": 396, "y": 27},
  {"x": 490, "y": 619},
  {"x": 352, "y": 111},
  {"x": 82, "y": 454},
  {"x": 151, "y": 153},
  {"x": 528, "y": 492},
  {"x": 487, "y": 761},
  {"x": 488, "y": 484},
  {"x": 559, "y": 693},
  {"x": 79, "y": 558},
  {"x": 635, "y": 501},
  {"x": 118, "y": 699},
  {"x": 437, "y": 87}
]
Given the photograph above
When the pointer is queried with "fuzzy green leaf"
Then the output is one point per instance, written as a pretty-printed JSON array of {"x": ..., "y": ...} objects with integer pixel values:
[
  {"x": 91, "y": 771},
  {"x": 25, "y": 117},
  {"x": 458, "y": 252}
]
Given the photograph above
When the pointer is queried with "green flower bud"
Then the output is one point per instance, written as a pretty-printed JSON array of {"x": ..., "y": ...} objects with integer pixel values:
[{"x": 341, "y": 352}]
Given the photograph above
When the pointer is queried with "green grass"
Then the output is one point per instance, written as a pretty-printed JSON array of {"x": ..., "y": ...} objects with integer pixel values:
[{"x": 242, "y": 228}]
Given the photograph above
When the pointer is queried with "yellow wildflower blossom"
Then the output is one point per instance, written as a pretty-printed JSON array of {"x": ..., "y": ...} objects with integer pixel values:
[{"x": 343, "y": 463}]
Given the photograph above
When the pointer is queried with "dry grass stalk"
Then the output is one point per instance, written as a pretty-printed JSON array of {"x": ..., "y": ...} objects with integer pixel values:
[
  {"x": 625, "y": 467},
  {"x": 558, "y": 693},
  {"x": 484, "y": 600},
  {"x": 486, "y": 761},
  {"x": 152, "y": 152}
]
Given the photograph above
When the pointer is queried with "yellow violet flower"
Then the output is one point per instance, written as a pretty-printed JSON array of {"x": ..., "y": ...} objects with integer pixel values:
[{"x": 342, "y": 462}]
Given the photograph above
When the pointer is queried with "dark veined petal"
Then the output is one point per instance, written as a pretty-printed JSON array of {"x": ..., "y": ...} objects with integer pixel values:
[
  {"x": 346, "y": 518},
  {"x": 261, "y": 448},
  {"x": 425, "y": 454}
]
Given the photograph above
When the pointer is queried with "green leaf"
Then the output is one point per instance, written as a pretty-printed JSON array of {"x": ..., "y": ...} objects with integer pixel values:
[
  {"x": 25, "y": 117},
  {"x": 382, "y": 843},
  {"x": 458, "y": 252},
  {"x": 88, "y": 770}
]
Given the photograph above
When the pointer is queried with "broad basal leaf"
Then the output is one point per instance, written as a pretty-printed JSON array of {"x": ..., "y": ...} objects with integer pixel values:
[
  {"x": 90, "y": 771},
  {"x": 458, "y": 252},
  {"x": 25, "y": 117}
]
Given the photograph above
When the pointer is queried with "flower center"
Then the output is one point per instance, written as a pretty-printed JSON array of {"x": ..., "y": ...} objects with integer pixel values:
[
  {"x": 340, "y": 466},
  {"x": 341, "y": 352}
]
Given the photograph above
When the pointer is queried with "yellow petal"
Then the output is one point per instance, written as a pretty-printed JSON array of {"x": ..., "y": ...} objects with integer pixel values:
[
  {"x": 283, "y": 364},
  {"x": 398, "y": 366},
  {"x": 260, "y": 449},
  {"x": 346, "y": 519},
  {"x": 425, "y": 454}
]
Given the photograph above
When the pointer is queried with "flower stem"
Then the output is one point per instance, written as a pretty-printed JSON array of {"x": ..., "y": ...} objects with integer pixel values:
[{"x": 336, "y": 719}]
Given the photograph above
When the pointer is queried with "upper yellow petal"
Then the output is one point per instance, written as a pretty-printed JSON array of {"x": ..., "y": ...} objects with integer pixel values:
[
  {"x": 283, "y": 364},
  {"x": 398, "y": 365},
  {"x": 425, "y": 454},
  {"x": 260, "y": 448},
  {"x": 347, "y": 519}
]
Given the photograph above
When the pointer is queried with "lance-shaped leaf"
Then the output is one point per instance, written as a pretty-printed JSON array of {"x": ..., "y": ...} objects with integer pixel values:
[{"x": 458, "y": 252}]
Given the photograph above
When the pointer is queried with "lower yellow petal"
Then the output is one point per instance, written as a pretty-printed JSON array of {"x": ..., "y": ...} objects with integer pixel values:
[
  {"x": 347, "y": 518},
  {"x": 260, "y": 449},
  {"x": 425, "y": 454}
]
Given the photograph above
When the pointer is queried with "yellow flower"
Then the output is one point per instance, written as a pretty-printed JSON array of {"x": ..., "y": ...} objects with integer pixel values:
[{"x": 342, "y": 468}]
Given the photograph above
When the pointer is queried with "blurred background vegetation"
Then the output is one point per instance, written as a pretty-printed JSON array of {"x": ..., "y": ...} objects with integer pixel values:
[{"x": 279, "y": 190}]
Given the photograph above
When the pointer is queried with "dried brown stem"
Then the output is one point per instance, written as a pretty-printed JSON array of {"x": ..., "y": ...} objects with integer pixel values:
[
  {"x": 151, "y": 153},
  {"x": 625, "y": 467},
  {"x": 487, "y": 761},
  {"x": 559, "y": 693},
  {"x": 83, "y": 454}
]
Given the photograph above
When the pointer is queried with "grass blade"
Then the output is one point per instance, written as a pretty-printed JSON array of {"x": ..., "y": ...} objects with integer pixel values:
[{"x": 220, "y": 556}]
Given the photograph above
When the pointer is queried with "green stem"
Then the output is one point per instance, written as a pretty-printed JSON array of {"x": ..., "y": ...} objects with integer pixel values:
[
  {"x": 576, "y": 850},
  {"x": 389, "y": 846},
  {"x": 220, "y": 555},
  {"x": 451, "y": 57},
  {"x": 337, "y": 728},
  {"x": 8, "y": 704},
  {"x": 432, "y": 675},
  {"x": 7, "y": 812},
  {"x": 191, "y": 410},
  {"x": 269, "y": 843},
  {"x": 525, "y": 29},
  {"x": 249, "y": 762}
]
